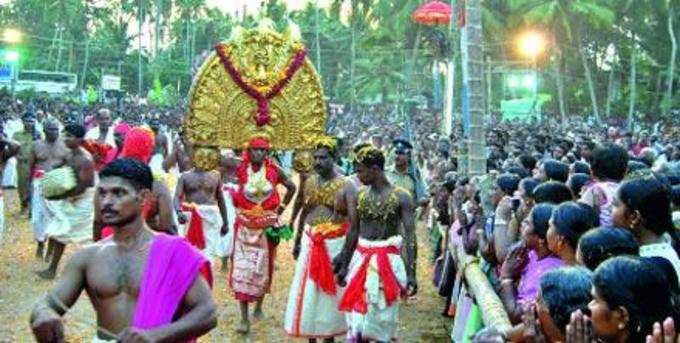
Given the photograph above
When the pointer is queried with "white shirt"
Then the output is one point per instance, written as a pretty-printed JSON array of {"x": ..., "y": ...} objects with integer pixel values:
[
  {"x": 94, "y": 135},
  {"x": 664, "y": 250}
]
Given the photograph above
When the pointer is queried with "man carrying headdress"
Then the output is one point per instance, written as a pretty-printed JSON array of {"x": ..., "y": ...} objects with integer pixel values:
[
  {"x": 258, "y": 206},
  {"x": 371, "y": 260},
  {"x": 328, "y": 211}
]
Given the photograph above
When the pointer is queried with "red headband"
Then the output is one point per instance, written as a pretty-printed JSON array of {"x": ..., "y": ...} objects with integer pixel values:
[{"x": 259, "y": 143}]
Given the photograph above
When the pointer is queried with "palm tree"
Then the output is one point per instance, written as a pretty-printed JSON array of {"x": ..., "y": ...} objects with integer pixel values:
[{"x": 566, "y": 19}]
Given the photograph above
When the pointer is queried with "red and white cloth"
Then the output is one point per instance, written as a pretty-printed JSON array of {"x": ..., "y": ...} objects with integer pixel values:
[
  {"x": 203, "y": 229},
  {"x": 377, "y": 279},
  {"x": 312, "y": 310}
]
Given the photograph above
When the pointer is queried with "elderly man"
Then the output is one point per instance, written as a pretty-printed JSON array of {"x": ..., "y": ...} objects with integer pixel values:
[{"x": 103, "y": 132}]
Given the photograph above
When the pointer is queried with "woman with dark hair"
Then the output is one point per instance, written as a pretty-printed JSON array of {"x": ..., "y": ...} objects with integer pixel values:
[
  {"x": 624, "y": 308},
  {"x": 503, "y": 197},
  {"x": 599, "y": 244},
  {"x": 527, "y": 262},
  {"x": 552, "y": 192},
  {"x": 579, "y": 167},
  {"x": 561, "y": 292},
  {"x": 608, "y": 168},
  {"x": 568, "y": 223},
  {"x": 644, "y": 207},
  {"x": 552, "y": 170},
  {"x": 576, "y": 183}
]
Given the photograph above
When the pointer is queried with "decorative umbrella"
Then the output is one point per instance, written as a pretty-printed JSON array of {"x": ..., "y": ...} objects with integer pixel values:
[{"x": 432, "y": 13}]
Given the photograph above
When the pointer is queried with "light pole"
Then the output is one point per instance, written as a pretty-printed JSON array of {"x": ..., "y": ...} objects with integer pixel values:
[
  {"x": 12, "y": 37},
  {"x": 531, "y": 44}
]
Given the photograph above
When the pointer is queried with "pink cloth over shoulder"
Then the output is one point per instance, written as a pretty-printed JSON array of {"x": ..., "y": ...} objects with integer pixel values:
[
  {"x": 170, "y": 270},
  {"x": 527, "y": 290}
]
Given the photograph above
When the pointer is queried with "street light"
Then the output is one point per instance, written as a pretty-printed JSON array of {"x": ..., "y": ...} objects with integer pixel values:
[
  {"x": 12, "y": 36},
  {"x": 531, "y": 44},
  {"x": 11, "y": 56}
]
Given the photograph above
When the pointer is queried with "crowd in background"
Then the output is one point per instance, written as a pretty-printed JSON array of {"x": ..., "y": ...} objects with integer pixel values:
[{"x": 564, "y": 217}]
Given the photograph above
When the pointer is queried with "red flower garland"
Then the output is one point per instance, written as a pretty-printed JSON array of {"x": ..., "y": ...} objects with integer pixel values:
[{"x": 262, "y": 118}]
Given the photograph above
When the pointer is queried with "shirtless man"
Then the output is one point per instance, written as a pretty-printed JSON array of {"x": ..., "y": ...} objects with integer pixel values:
[
  {"x": 199, "y": 193},
  {"x": 123, "y": 292},
  {"x": 381, "y": 210},
  {"x": 26, "y": 139},
  {"x": 48, "y": 154},
  {"x": 74, "y": 215},
  {"x": 161, "y": 146},
  {"x": 180, "y": 156},
  {"x": 8, "y": 149},
  {"x": 328, "y": 209},
  {"x": 158, "y": 210},
  {"x": 229, "y": 162}
]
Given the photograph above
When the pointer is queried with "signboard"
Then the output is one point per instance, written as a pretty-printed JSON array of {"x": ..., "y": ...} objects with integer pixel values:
[
  {"x": 5, "y": 72},
  {"x": 110, "y": 83}
]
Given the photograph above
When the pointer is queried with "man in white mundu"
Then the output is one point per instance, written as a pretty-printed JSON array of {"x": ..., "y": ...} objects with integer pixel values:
[
  {"x": 372, "y": 254},
  {"x": 329, "y": 201}
]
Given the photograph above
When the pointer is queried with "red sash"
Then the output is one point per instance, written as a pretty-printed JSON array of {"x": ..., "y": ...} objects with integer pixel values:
[
  {"x": 320, "y": 266},
  {"x": 354, "y": 299},
  {"x": 195, "y": 234}
]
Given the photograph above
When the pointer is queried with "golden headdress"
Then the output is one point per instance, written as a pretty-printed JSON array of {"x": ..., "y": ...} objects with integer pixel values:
[{"x": 258, "y": 83}]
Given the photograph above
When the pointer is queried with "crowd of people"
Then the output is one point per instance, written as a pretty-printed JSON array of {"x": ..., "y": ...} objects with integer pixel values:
[{"x": 574, "y": 223}]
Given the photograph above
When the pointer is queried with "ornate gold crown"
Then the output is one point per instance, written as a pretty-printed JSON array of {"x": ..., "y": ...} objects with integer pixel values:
[{"x": 259, "y": 83}]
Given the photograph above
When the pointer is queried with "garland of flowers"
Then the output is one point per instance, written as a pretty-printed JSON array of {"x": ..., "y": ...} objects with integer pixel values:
[{"x": 262, "y": 118}]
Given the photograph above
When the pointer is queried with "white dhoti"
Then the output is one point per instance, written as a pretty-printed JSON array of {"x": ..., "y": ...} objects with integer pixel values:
[
  {"x": 312, "y": 310},
  {"x": 73, "y": 218},
  {"x": 371, "y": 314},
  {"x": 228, "y": 239},
  {"x": 209, "y": 218},
  {"x": 42, "y": 211},
  {"x": 9, "y": 175}
]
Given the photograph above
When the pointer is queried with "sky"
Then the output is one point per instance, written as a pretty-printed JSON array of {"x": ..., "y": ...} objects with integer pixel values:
[{"x": 231, "y": 6}]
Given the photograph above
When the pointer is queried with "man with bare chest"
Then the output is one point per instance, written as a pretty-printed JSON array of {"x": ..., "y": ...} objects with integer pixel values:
[
  {"x": 126, "y": 276},
  {"x": 161, "y": 146},
  {"x": 371, "y": 258},
  {"x": 8, "y": 149},
  {"x": 199, "y": 203},
  {"x": 73, "y": 214},
  {"x": 47, "y": 155},
  {"x": 328, "y": 211}
]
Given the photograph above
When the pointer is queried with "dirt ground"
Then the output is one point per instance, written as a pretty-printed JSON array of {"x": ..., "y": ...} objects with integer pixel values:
[{"x": 420, "y": 319}]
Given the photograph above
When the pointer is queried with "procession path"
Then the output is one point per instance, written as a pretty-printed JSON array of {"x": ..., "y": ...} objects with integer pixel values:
[{"x": 420, "y": 319}]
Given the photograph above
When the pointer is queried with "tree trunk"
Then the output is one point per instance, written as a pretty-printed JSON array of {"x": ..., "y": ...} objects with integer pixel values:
[
  {"x": 140, "y": 18},
  {"x": 317, "y": 39},
  {"x": 85, "y": 64},
  {"x": 632, "y": 82},
  {"x": 157, "y": 28},
  {"x": 589, "y": 79},
  {"x": 475, "y": 65},
  {"x": 353, "y": 57},
  {"x": 610, "y": 93},
  {"x": 560, "y": 85},
  {"x": 668, "y": 100}
]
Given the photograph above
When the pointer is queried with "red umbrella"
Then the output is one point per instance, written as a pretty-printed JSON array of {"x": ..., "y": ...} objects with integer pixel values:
[{"x": 432, "y": 13}]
